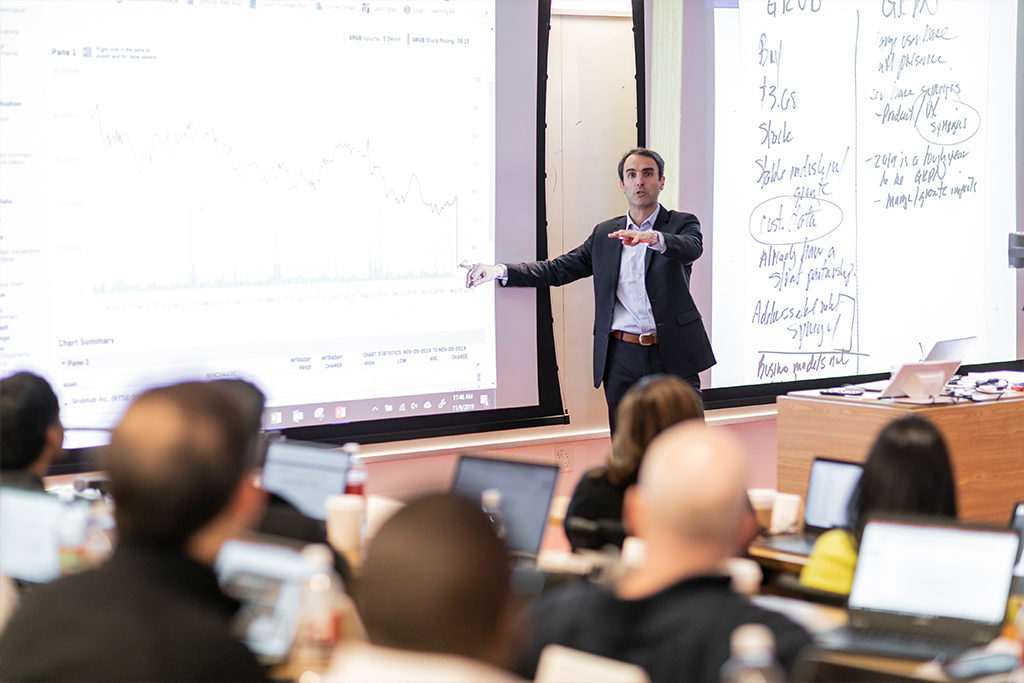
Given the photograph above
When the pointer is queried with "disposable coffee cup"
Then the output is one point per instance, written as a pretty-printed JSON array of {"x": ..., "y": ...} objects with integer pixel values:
[
  {"x": 344, "y": 523},
  {"x": 763, "y": 501}
]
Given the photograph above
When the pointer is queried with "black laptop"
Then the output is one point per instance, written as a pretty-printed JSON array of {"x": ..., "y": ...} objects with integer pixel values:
[
  {"x": 526, "y": 492},
  {"x": 926, "y": 590},
  {"x": 829, "y": 486}
]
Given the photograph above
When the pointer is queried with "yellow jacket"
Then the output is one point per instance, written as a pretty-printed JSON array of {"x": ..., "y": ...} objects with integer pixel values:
[{"x": 831, "y": 564}]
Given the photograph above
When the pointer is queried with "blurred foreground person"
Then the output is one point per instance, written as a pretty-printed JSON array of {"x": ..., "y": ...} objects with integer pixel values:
[
  {"x": 435, "y": 598},
  {"x": 179, "y": 465},
  {"x": 673, "y": 615}
]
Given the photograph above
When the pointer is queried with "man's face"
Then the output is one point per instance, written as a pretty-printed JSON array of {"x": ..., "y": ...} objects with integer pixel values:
[{"x": 640, "y": 182}]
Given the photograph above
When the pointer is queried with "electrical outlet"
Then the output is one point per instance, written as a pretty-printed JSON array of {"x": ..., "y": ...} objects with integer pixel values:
[{"x": 563, "y": 457}]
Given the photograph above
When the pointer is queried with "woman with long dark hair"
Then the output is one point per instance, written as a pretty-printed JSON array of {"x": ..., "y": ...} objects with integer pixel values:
[{"x": 908, "y": 471}]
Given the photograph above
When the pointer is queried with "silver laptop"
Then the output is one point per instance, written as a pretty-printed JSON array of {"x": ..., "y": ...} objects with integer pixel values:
[
  {"x": 951, "y": 349},
  {"x": 526, "y": 492},
  {"x": 926, "y": 590},
  {"x": 923, "y": 380},
  {"x": 304, "y": 473},
  {"x": 829, "y": 486}
]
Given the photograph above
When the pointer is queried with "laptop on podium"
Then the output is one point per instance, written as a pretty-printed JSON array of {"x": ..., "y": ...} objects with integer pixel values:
[{"x": 926, "y": 590}]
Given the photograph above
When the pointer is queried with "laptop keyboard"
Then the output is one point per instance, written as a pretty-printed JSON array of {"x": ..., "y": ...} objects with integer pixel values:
[{"x": 894, "y": 643}]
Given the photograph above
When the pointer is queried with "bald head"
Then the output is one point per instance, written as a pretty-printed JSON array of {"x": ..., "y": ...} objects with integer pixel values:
[
  {"x": 693, "y": 484},
  {"x": 174, "y": 461}
]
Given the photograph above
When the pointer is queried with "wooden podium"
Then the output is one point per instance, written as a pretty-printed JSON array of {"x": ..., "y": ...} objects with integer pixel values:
[{"x": 985, "y": 440}]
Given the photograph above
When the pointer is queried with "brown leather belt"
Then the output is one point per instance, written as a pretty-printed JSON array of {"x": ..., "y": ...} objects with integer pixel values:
[{"x": 645, "y": 339}]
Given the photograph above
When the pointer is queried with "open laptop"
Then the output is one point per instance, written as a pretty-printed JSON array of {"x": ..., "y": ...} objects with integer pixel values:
[
  {"x": 526, "y": 492},
  {"x": 951, "y": 349},
  {"x": 267, "y": 579},
  {"x": 31, "y": 523},
  {"x": 926, "y": 590},
  {"x": 305, "y": 473},
  {"x": 1017, "y": 522},
  {"x": 921, "y": 380},
  {"x": 829, "y": 486}
]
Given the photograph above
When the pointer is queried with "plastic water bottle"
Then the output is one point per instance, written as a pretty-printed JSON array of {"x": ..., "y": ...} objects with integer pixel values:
[
  {"x": 753, "y": 656},
  {"x": 490, "y": 503},
  {"x": 320, "y": 615},
  {"x": 356, "y": 476}
]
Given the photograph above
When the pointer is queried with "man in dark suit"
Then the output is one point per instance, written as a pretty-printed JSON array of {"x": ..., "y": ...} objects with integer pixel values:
[{"x": 645, "y": 320}]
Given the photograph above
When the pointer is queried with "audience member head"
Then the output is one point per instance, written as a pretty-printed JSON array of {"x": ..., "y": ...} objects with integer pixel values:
[
  {"x": 179, "y": 465},
  {"x": 652, "y": 405},
  {"x": 31, "y": 434},
  {"x": 251, "y": 400},
  {"x": 691, "y": 493},
  {"x": 907, "y": 471},
  {"x": 436, "y": 579}
]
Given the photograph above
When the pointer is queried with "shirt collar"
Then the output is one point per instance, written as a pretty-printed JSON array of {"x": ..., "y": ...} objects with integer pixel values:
[{"x": 648, "y": 223}]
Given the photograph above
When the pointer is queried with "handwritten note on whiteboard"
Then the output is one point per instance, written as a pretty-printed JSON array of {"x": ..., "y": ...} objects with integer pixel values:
[{"x": 864, "y": 184}]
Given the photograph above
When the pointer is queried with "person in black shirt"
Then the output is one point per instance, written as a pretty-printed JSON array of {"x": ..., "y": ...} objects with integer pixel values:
[
  {"x": 675, "y": 614},
  {"x": 31, "y": 433},
  {"x": 180, "y": 470},
  {"x": 652, "y": 405}
]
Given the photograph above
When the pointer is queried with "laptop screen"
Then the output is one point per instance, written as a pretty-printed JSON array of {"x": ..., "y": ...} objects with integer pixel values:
[
  {"x": 31, "y": 523},
  {"x": 828, "y": 493},
  {"x": 928, "y": 570},
  {"x": 526, "y": 492},
  {"x": 305, "y": 474}
]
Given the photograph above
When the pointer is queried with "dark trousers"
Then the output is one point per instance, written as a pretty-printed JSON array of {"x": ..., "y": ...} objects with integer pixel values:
[{"x": 627, "y": 363}]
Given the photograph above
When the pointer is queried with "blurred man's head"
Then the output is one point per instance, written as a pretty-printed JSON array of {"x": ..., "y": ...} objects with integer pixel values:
[
  {"x": 692, "y": 489},
  {"x": 436, "y": 579},
  {"x": 31, "y": 434},
  {"x": 179, "y": 465}
]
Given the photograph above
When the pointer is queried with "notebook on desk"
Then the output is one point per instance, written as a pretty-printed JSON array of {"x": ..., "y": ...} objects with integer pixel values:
[
  {"x": 526, "y": 492},
  {"x": 305, "y": 474},
  {"x": 829, "y": 486},
  {"x": 926, "y": 590}
]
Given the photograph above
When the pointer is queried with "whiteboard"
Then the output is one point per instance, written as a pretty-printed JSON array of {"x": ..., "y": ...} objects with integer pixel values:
[{"x": 864, "y": 184}]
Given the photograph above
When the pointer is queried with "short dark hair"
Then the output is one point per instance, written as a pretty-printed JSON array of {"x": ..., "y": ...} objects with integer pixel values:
[
  {"x": 644, "y": 152},
  {"x": 168, "y": 483},
  {"x": 907, "y": 471},
  {"x": 436, "y": 579},
  {"x": 28, "y": 407}
]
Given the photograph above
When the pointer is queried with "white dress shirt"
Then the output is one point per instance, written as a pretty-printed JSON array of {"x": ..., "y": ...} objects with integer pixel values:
[{"x": 632, "y": 307}]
